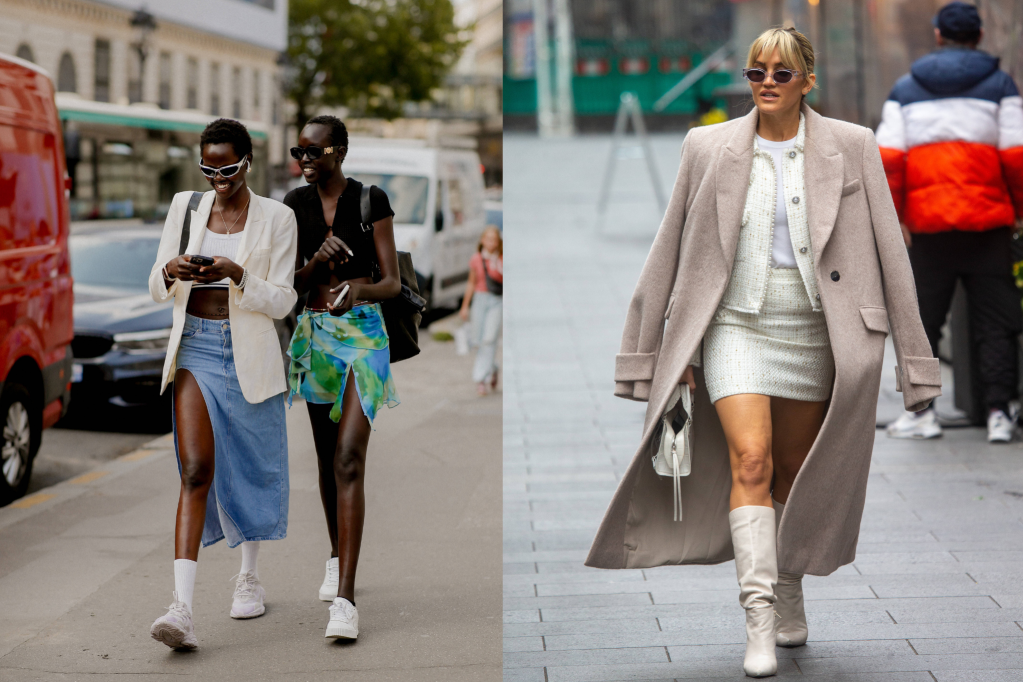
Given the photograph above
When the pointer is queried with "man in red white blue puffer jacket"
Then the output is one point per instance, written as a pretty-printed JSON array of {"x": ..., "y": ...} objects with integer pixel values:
[{"x": 951, "y": 138}]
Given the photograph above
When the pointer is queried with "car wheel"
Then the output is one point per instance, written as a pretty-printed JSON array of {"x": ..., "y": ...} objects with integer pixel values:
[{"x": 22, "y": 433}]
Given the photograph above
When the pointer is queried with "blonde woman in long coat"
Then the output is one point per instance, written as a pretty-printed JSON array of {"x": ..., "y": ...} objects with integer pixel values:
[{"x": 772, "y": 283}]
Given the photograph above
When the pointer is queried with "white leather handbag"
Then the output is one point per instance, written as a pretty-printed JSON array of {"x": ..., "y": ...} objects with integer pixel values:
[{"x": 674, "y": 456}]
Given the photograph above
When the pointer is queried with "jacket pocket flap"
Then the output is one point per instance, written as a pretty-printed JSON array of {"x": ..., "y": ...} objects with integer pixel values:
[
  {"x": 923, "y": 371},
  {"x": 875, "y": 318},
  {"x": 635, "y": 366},
  {"x": 853, "y": 186}
]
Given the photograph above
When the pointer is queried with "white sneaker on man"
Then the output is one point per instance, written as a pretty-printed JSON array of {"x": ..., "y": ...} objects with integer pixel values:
[
  {"x": 344, "y": 620},
  {"x": 999, "y": 427},
  {"x": 915, "y": 425},
  {"x": 328, "y": 590},
  {"x": 248, "y": 596},
  {"x": 175, "y": 628}
]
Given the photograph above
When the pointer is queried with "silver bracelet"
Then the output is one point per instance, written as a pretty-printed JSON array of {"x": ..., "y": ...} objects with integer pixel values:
[{"x": 244, "y": 279}]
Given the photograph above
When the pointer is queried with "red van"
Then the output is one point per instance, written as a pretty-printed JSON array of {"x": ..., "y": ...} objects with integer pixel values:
[{"x": 36, "y": 304}]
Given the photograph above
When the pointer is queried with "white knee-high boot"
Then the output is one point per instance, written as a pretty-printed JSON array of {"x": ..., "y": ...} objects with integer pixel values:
[
  {"x": 756, "y": 565},
  {"x": 788, "y": 604}
]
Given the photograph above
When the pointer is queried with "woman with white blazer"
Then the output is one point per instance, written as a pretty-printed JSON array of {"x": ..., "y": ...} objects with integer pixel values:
[
  {"x": 791, "y": 279},
  {"x": 224, "y": 358}
]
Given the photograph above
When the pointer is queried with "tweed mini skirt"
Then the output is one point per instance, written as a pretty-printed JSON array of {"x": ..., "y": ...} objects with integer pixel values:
[{"x": 783, "y": 351}]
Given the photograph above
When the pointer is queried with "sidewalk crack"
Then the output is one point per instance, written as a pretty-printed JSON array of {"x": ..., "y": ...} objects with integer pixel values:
[
  {"x": 892, "y": 617},
  {"x": 912, "y": 647}
]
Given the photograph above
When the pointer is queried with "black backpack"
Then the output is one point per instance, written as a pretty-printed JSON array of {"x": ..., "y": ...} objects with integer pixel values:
[{"x": 403, "y": 313}]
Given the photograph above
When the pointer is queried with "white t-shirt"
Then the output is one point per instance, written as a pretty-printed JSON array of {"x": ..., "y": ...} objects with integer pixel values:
[{"x": 782, "y": 255}]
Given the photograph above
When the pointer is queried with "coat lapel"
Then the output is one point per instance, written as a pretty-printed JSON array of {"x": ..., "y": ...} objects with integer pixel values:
[
  {"x": 254, "y": 224},
  {"x": 735, "y": 161},
  {"x": 823, "y": 174}
]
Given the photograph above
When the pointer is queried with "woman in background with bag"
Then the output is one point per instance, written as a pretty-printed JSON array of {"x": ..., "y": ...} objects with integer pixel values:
[
  {"x": 340, "y": 357},
  {"x": 781, "y": 256},
  {"x": 483, "y": 305}
]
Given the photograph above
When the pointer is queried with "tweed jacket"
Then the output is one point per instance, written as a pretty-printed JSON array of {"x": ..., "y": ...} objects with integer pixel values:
[
  {"x": 748, "y": 283},
  {"x": 861, "y": 271},
  {"x": 267, "y": 252}
]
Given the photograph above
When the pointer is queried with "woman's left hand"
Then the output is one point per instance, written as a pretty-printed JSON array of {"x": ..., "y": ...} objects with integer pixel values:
[
  {"x": 222, "y": 267},
  {"x": 347, "y": 302}
]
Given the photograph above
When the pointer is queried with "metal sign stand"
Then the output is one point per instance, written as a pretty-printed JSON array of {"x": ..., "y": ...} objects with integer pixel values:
[{"x": 628, "y": 110}]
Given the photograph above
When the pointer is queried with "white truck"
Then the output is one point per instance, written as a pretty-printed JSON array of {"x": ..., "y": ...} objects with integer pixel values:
[{"x": 437, "y": 197}]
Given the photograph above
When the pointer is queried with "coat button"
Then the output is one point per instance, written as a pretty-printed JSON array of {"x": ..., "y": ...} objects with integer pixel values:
[
  {"x": 792, "y": 155},
  {"x": 818, "y": 297},
  {"x": 802, "y": 250},
  {"x": 795, "y": 200},
  {"x": 835, "y": 276}
]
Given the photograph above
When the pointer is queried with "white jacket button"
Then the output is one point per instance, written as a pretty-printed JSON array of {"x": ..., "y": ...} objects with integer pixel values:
[
  {"x": 795, "y": 200},
  {"x": 792, "y": 155},
  {"x": 802, "y": 250}
]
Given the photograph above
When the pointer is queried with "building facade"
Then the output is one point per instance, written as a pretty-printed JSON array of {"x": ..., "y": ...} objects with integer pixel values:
[{"x": 135, "y": 91}]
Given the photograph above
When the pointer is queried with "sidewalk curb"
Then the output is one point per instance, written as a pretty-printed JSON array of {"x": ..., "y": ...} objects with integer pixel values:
[{"x": 54, "y": 495}]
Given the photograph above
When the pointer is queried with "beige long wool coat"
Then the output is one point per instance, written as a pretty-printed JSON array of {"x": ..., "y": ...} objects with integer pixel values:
[{"x": 866, "y": 287}]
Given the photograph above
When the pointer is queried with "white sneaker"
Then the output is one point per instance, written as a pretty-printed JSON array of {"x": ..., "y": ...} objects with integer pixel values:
[
  {"x": 913, "y": 425},
  {"x": 175, "y": 627},
  {"x": 344, "y": 620},
  {"x": 248, "y": 596},
  {"x": 999, "y": 427},
  {"x": 328, "y": 590}
]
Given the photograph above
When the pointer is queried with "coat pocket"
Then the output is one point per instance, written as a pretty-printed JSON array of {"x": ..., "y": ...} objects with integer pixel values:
[
  {"x": 875, "y": 318},
  {"x": 852, "y": 187}
]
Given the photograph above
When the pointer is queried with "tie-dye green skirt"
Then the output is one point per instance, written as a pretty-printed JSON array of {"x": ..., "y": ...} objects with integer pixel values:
[{"x": 326, "y": 349}]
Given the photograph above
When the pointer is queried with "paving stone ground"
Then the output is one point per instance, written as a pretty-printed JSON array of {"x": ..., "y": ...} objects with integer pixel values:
[{"x": 936, "y": 591}]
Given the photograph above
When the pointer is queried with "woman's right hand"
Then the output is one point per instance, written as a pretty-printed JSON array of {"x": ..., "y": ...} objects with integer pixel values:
[
  {"x": 463, "y": 313},
  {"x": 689, "y": 378},
  {"x": 333, "y": 249},
  {"x": 181, "y": 268}
]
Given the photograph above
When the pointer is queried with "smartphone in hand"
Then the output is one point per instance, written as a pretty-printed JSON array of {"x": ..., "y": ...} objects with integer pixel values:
[
  {"x": 201, "y": 261},
  {"x": 341, "y": 296}
]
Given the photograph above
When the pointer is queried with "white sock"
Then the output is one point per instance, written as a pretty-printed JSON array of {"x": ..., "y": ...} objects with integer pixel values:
[
  {"x": 184, "y": 580},
  {"x": 250, "y": 552}
]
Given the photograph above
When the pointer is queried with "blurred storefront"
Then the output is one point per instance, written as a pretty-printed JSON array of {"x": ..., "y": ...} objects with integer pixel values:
[
  {"x": 139, "y": 81},
  {"x": 642, "y": 47}
]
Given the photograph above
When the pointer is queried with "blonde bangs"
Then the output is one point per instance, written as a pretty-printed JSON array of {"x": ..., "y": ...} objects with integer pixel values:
[{"x": 788, "y": 46}]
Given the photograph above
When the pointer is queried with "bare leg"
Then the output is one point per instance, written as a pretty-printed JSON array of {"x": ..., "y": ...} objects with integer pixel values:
[
  {"x": 746, "y": 420},
  {"x": 349, "y": 475},
  {"x": 795, "y": 425},
  {"x": 196, "y": 451}
]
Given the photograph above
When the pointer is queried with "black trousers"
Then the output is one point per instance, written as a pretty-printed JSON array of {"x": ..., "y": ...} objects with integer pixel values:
[{"x": 982, "y": 260}]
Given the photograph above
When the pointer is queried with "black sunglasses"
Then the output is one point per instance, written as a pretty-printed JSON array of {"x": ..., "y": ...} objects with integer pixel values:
[
  {"x": 228, "y": 171},
  {"x": 780, "y": 76},
  {"x": 312, "y": 151}
]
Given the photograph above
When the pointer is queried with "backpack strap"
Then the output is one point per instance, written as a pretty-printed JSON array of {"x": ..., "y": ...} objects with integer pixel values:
[
  {"x": 366, "y": 209},
  {"x": 186, "y": 229}
]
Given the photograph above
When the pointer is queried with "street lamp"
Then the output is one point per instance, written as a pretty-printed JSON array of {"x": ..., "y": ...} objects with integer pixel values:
[{"x": 143, "y": 24}]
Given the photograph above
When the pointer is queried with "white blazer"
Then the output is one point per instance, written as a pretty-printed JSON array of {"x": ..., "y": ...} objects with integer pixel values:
[{"x": 267, "y": 252}]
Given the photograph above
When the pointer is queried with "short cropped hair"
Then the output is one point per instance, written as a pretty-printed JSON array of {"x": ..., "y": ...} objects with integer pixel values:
[
  {"x": 338, "y": 132},
  {"x": 226, "y": 130},
  {"x": 794, "y": 48}
]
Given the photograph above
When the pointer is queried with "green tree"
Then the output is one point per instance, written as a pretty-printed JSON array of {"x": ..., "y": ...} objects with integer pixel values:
[{"x": 371, "y": 56}]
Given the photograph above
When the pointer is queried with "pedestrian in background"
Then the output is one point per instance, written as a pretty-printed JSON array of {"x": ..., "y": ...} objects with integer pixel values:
[
  {"x": 951, "y": 138},
  {"x": 340, "y": 362},
  {"x": 483, "y": 306},
  {"x": 225, "y": 361},
  {"x": 781, "y": 252}
]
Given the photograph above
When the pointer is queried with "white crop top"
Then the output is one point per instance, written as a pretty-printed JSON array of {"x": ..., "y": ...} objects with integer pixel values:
[
  {"x": 782, "y": 255},
  {"x": 213, "y": 245}
]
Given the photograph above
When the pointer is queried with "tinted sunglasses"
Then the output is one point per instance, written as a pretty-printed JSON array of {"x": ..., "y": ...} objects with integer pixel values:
[
  {"x": 225, "y": 171},
  {"x": 312, "y": 151},
  {"x": 780, "y": 76}
]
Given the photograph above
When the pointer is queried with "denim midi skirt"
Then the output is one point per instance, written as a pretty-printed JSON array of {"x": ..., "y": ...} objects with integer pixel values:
[{"x": 249, "y": 496}]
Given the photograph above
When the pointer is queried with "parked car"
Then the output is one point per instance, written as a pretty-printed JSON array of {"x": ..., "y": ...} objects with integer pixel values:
[
  {"x": 35, "y": 274},
  {"x": 121, "y": 334},
  {"x": 437, "y": 197}
]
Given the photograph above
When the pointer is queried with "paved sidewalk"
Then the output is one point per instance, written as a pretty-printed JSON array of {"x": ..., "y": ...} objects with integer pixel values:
[
  {"x": 85, "y": 571},
  {"x": 936, "y": 593}
]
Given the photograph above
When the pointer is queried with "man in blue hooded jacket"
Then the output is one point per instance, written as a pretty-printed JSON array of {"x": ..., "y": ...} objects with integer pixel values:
[{"x": 951, "y": 138}]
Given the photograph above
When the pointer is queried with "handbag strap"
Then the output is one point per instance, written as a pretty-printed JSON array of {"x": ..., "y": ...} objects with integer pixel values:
[{"x": 186, "y": 228}]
